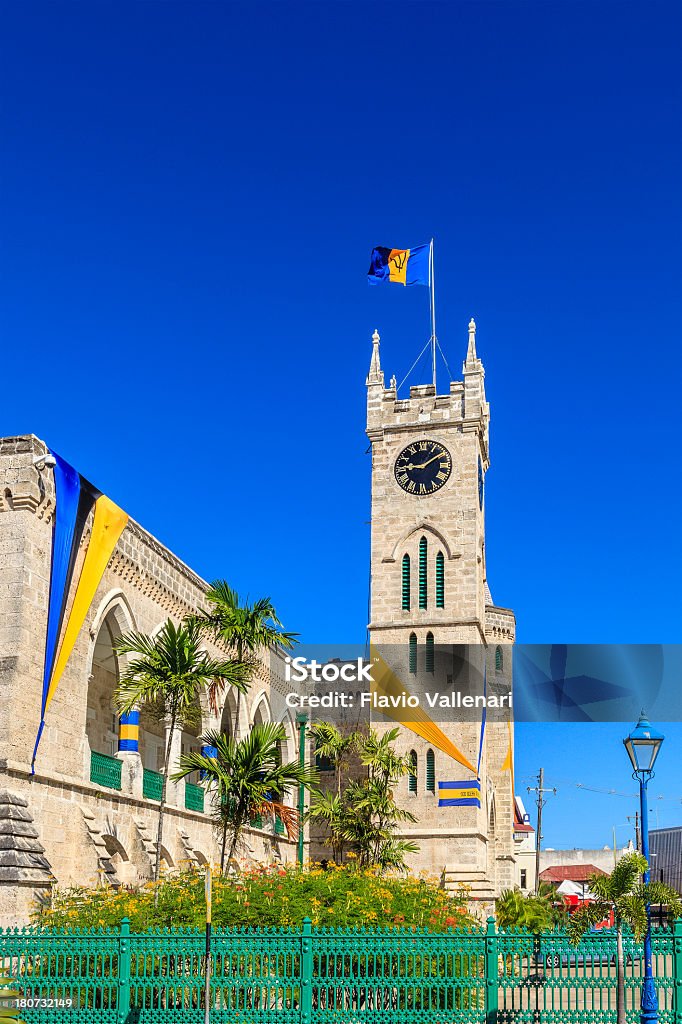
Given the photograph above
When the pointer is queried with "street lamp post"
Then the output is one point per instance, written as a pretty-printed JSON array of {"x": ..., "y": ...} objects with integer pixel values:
[
  {"x": 643, "y": 745},
  {"x": 301, "y": 721}
]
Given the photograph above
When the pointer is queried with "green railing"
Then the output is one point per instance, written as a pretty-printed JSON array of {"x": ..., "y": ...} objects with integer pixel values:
[
  {"x": 152, "y": 784},
  {"x": 105, "y": 770},
  {"x": 194, "y": 797},
  {"x": 323, "y": 976}
]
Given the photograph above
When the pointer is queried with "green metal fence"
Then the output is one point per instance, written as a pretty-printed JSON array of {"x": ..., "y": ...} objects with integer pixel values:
[
  {"x": 105, "y": 770},
  {"x": 326, "y": 976},
  {"x": 152, "y": 784}
]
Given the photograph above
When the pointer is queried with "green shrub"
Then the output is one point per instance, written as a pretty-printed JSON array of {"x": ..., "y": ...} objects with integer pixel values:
[{"x": 269, "y": 896}]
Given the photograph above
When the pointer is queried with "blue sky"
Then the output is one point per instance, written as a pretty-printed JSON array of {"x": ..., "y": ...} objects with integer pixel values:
[{"x": 191, "y": 193}]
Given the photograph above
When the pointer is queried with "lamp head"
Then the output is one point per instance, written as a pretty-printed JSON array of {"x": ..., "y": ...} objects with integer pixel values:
[{"x": 643, "y": 745}]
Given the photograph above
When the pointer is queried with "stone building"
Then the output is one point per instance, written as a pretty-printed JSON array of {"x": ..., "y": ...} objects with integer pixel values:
[
  {"x": 89, "y": 812},
  {"x": 429, "y": 588}
]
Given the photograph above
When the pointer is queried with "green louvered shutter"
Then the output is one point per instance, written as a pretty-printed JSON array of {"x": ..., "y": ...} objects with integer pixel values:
[
  {"x": 429, "y": 657},
  {"x": 412, "y": 777},
  {"x": 440, "y": 580},
  {"x": 422, "y": 572},
  {"x": 413, "y": 653},
  {"x": 406, "y": 583},
  {"x": 430, "y": 772}
]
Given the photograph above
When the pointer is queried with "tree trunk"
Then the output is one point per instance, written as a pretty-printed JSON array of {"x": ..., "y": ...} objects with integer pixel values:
[
  {"x": 620, "y": 976},
  {"x": 239, "y": 693},
  {"x": 162, "y": 805},
  {"x": 233, "y": 844},
  {"x": 222, "y": 849}
]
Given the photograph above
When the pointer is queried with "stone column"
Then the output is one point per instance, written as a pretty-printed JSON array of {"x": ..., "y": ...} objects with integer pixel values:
[
  {"x": 175, "y": 791},
  {"x": 129, "y": 753}
]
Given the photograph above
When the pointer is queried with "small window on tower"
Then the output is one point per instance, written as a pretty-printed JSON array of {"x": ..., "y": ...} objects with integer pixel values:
[
  {"x": 440, "y": 580},
  {"x": 406, "y": 583},
  {"x": 429, "y": 654},
  {"x": 430, "y": 771},
  {"x": 423, "y": 551},
  {"x": 413, "y": 654},
  {"x": 499, "y": 663},
  {"x": 412, "y": 777}
]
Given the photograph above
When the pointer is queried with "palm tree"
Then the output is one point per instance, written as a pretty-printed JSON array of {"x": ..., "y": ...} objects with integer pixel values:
[
  {"x": 167, "y": 674},
  {"x": 248, "y": 779},
  {"x": 623, "y": 894},
  {"x": 335, "y": 746},
  {"x": 374, "y": 814},
  {"x": 514, "y": 910},
  {"x": 246, "y": 628}
]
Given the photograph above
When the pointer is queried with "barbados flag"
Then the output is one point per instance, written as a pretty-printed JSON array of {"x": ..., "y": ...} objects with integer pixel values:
[
  {"x": 459, "y": 794},
  {"x": 404, "y": 266}
]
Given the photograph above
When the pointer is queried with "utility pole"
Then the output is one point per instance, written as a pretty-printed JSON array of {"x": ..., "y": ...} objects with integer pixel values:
[
  {"x": 638, "y": 845},
  {"x": 540, "y": 801}
]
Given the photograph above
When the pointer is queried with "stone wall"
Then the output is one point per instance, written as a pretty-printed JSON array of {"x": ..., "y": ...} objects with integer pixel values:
[{"x": 79, "y": 831}]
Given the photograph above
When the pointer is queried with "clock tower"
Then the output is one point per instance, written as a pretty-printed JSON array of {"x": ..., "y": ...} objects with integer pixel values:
[{"x": 430, "y": 455}]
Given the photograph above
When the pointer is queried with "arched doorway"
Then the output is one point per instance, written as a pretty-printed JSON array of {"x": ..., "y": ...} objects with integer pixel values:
[
  {"x": 101, "y": 725},
  {"x": 227, "y": 718},
  {"x": 190, "y": 739}
]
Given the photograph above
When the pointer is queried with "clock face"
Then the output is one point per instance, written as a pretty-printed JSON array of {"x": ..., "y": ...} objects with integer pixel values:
[{"x": 423, "y": 467}]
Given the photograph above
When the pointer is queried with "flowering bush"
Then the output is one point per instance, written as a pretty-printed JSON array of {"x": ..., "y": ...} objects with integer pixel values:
[{"x": 275, "y": 895}]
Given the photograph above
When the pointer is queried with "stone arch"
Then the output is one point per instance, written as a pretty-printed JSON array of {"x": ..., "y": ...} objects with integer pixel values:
[
  {"x": 167, "y": 862},
  {"x": 424, "y": 527},
  {"x": 260, "y": 709},
  {"x": 201, "y": 858},
  {"x": 228, "y": 713},
  {"x": 121, "y": 864},
  {"x": 117, "y": 602},
  {"x": 289, "y": 748},
  {"x": 113, "y": 618}
]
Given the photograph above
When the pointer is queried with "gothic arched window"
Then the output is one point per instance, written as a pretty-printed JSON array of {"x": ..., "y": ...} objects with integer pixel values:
[
  {"x": 430, "y": 771},
  {"x": 429, "y": 656},
  {"x": 412, "y": 777},
  {"x": 422, "y": 572},
  {"x": 413, "y": 653},
  {"x": 499, "y": 663},
  {"x": 440, "y": 580},
  {"x": 406, "y": 583}
]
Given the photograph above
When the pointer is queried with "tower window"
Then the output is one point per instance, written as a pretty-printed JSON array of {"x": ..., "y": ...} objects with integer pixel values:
[
  {"x": 440, "y": 580},
  {"x": 406, "y": 583},
  {"x": 422, "y": 572},
  {"x": 413, "y": 653},
  {"x": 412, "y": 777},
  {"x": 429, "y": 656},
  {"x": 499, "y": 663},
  {"x": 430, "y": 771}
]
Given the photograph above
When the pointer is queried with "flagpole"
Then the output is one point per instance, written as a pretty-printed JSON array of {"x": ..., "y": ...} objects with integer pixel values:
[{"x": 433, "y": 315}]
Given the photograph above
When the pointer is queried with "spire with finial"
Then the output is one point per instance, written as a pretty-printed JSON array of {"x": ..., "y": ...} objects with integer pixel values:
[
  {"x": 471, "y": 350},
  {"x": 375, "y": 375}
]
